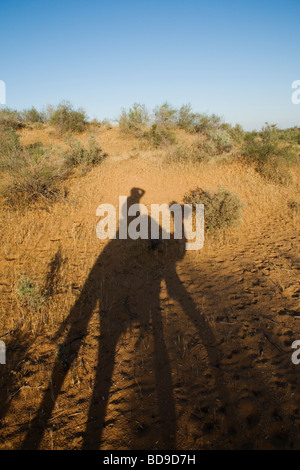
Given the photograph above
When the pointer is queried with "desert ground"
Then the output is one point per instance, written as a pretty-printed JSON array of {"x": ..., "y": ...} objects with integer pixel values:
[{"x": 136, "y": 348}]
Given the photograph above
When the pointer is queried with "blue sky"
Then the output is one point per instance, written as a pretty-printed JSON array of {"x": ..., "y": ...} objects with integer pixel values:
[{"x": 234, "y": 58}]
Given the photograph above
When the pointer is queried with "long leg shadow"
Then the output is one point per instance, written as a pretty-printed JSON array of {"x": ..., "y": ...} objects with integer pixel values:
[
  {"x": 207, "y": 337},
  {"x": 110, "y": 334}
]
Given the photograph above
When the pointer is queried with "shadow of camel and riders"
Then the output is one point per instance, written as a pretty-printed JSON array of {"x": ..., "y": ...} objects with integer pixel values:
[{"x": 124, "y": 285}]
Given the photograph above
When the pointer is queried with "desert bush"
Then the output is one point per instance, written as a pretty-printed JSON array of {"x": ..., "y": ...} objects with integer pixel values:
[
  {"x": 37, "y": 150},
  {"x": 205, "y": 123},
  {"x": 185, "y": 118},
  {"x": 10, "y": 118},
  {"x": 159, "y": 136},
  {"x": 28, "y": 173},
  {"x": 206, "y": 150},
  {"x": 222, "y": 139},
  {"x": 66, "y": 119},
  {"x": 196, "y": 122},
  {"x": 13, "y": 155},
  {"x": 222, "y": 208},
  {"x": 31, "y": 182},
  {"x": 165, "y": 116},
  {"x": 271, "y": 156},
  {"x": 30, "y": 294},
  {"x": 181, "y": 154},
  {"x": 236, "y": 133},
  {"x": 9, "y": 149},
  {"x": 135, "y": 119},
  {"x": 291, "y": 135},
  {"x": 78, "y": 155},
  {"x": 32, "y": 115},
  {"x": 196, "y": 152}
]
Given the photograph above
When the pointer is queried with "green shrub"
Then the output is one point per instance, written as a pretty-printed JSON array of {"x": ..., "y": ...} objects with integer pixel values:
[
  {"x": 196, "y": 152},
  {"x": 185, "y": 118},
  {"x": 196, "y": 122},
  {"x": 206, "y": 150},
  {"x": 205, "y": 123},
  {"x": 29, "y": 175},
  {"x": 13, "y": 155},
  {"x": 135, "y": 119},
  {"x": 32, "y": 115},
  {"x": 165, "y": 116},
  {"x": 291, "y": 135},
  {"x": 215, "y": 144},
  {"x": 66, "y": 119},
  {"x": 236, "y": 133},
  {"x": 269, "y": 154},
  {"x": 9, "y": 149},
  {"x": 10, "y": 118},
  {"x": 181, "y": 154},
  {"x": 78, "y": 155},
  {"x": 222, "y": 139},
  {"x": 37, "y": 151},
  {"x": 30, "y": 294},
  {"x": 159, "y": 136},
  {"x": 222, "y": 209},
  {"x": 31, "y": 182}
]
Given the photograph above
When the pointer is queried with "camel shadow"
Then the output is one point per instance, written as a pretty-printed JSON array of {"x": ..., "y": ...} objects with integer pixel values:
[{"x": 124, "y": 285}]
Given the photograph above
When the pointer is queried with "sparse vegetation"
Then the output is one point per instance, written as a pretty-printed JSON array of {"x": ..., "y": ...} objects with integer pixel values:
[
  {"x": 165, "y": 116},
  {"x": 196, "y": 122},
  {"x": 32, "y": 116},
  {"x": 159, "y": 136},
  {"x": 208, "y": 148},
  {"x": 30, "y": 294},
  {"x": 222, "y": 139},
  {"x": 66, "y": 119},
  {"x": 135, "y": 119},
  {"x": 222, "y": 209},
  {"x": 73, "y": 283},
  {"x": 271, "y": 156},
  {"x": 88, "y": 156},
  {"x": 33, "y": 181},
  {"x": 9, "y": 149},
  {"x": 33, "y": 172},
  {"x": 10, "y": 118},
  {"x": 196, "y": 152},
  {"x": 29, "y": 173}
]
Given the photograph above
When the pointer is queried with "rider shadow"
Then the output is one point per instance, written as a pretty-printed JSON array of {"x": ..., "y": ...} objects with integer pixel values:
[{"x": 124, "y": 284}]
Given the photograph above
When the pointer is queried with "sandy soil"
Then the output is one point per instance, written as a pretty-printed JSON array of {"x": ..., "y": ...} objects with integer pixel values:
[{"x": 152, "y": 349}]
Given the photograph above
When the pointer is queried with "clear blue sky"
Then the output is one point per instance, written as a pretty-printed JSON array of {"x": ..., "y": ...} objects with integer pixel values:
[{"x": 234, "y": 58}]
